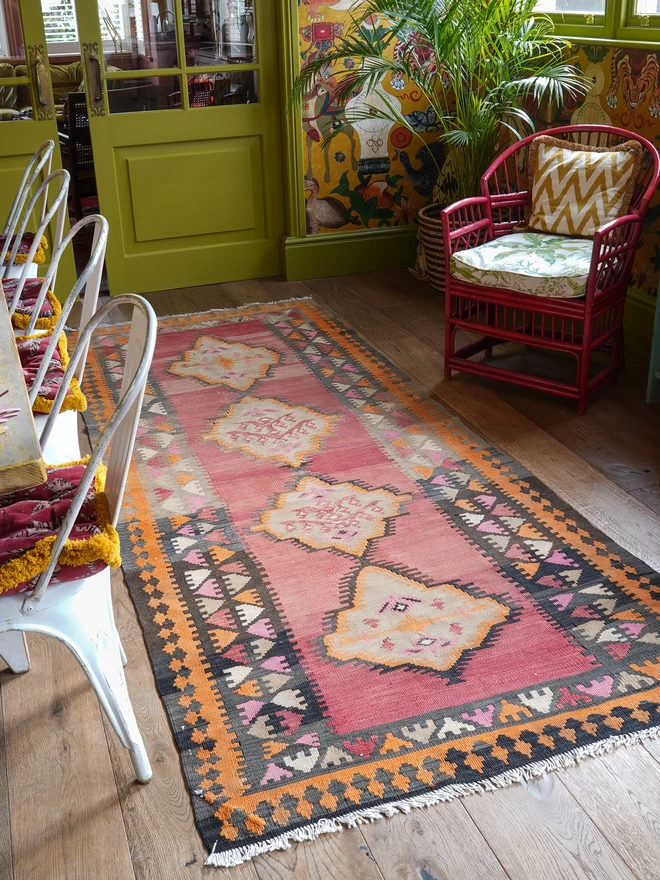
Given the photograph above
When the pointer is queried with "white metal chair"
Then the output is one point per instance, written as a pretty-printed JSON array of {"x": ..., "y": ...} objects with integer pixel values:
[
  {"x": 63, "y": 440},
  {"x": 79, "y": 613},
  {"x": 17, "y": 257},
  {"x": 42, "y": 160},
  {"x": 88, "y": 283}
]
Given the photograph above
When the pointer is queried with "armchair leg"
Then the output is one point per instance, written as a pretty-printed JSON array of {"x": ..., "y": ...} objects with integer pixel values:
[
  {"x": 619, "y": 353},
  {"x": 449, "y": 348},
  {"x": 583, "y": 379},
  {"x": 488, "y": 351}
]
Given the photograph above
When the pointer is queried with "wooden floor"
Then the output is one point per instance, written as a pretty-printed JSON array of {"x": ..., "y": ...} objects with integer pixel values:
[{"x": 69, "y": 807}]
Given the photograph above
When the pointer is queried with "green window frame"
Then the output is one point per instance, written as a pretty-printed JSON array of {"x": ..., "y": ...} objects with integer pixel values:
[{"x": 620, "y": 24}]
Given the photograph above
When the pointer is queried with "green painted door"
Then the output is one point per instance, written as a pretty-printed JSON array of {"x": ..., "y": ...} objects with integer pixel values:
[
  {"x": 185, "y": 113},
  {"x": 26, "y": 106}
]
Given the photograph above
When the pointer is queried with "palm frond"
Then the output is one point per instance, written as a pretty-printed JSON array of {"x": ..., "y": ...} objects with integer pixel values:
[{"x": 477, "y": 63}]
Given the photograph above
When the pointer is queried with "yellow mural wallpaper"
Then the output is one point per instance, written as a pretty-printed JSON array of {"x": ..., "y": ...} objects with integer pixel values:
[
  {"x": 626, "y": 93},
  {"x": 373, "y": 173},
  {"x": 376, "y": 174}
]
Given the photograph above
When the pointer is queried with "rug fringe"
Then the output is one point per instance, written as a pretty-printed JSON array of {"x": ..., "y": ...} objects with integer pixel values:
[
  {"x": 271, "y": 302},
  {"x": 231, "y": 858}
]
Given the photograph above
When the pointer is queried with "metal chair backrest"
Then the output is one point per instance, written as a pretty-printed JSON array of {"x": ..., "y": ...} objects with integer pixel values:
[
  {"x": 120, "y": 429},
  {"x": 88, "y": 281},
  {"x": 42, "y": 160},
  {"x": 505, "y": 181},
  {"x": 57, "y": 209}
]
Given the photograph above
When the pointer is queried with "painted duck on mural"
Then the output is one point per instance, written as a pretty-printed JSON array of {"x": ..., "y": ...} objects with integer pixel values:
[
  {"x": 325, "y": 213},
  {"x": 637, "y": 73},
  {"x": 430, "y": 160}
]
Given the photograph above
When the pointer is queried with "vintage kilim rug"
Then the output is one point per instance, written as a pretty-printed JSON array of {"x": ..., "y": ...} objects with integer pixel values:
[{"x": 353, "y": 604}]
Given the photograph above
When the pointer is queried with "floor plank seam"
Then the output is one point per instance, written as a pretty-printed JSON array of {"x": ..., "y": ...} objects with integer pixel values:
[
  {"x": 370, "y": 853},
  {"x": 483, "y": 836},
  {"x": 602, "y": 831}
]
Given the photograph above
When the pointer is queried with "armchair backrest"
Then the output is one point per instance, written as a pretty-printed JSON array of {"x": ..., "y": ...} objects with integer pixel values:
[{"x": 505, "y": 181}]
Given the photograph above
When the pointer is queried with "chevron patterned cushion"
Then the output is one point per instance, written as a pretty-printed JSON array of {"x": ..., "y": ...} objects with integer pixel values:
[{"x": 576, "y": 188}]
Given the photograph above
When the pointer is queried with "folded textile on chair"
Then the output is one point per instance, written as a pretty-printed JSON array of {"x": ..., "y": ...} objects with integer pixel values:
[
  {"x": 24, "y": 248},
  {"x": 31, "y": 350},
  {"x": 31, "y": 519},
  {"x": 48, "y": 313}
]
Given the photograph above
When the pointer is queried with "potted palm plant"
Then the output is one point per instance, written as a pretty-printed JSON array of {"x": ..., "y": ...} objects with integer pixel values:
[{"x": 477, "y": 63}]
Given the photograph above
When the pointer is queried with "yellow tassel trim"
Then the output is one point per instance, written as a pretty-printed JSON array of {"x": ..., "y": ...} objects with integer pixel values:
[
  {"x": 20, "y": 321},
  {"x": 39, "y": 256},
  {"x": 75, "y": 399},
  {"x": 101, "y": 548}
]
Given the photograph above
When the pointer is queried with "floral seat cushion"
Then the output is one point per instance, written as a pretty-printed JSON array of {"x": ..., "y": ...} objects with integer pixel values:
[
  {"x": 31, "y": 519},
  {"x": 24, "y": 248},
  {"x": 528, "y": 262},
  {"x": 31, "y": 350},
  {"x": 48, "y": 313}
]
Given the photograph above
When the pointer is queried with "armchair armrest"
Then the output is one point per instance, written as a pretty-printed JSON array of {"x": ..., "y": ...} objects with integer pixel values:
[
  {"x": 615, "y": 245},
  {"x": 628, "y": 220},
  {"x": 466, "y": 224}
]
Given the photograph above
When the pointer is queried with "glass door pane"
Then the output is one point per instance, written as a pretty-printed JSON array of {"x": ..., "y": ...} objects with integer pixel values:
[
  {"x": 219, "y": 32},
  {"x": 144, "y": 93},
  {"x": 595, "y": 7},
  {"x": 223, "y": 88},
  {"x": 138, "y": 37},
  {"x": 15, "y": 97},
  {"x": 138, "y": 34},
  {"x": 26, "y": 98}
]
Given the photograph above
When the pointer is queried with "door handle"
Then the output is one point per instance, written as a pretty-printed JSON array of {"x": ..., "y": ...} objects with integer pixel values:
[
  {"x": 38, "y": 65},
  {"x": 91, "y": 53},
  {"x": 99, "y": 78}
]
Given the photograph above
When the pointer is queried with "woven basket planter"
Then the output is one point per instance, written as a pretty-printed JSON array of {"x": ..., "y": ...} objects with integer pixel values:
[{"x": 430, "y": 232}]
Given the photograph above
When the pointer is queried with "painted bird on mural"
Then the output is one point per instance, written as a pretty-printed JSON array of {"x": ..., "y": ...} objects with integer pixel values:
[
  {"x": 327, "y": 212},
  {"x": 431, "y": 159}
]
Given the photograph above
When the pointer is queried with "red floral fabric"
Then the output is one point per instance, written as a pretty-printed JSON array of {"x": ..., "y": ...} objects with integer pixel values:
[
  {"x": 31, "y": 350},
  {"x": 24, "y": 246},
  {"x": 26, "y": 303},
  {"x": 32, "y": 514}
]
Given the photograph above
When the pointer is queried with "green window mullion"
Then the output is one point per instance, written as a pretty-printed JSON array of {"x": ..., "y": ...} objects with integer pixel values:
[
  {"x": 222, "y": 68},
  {"x": 181, "y": 53},
  {"x": 142, "y": 74}
]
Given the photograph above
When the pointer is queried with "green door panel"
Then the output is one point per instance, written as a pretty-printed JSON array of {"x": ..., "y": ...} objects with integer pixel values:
[{"x": 193, "y": 194}]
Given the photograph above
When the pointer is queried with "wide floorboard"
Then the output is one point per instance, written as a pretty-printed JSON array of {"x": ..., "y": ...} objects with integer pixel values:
[{"x": 69, "y": 806}]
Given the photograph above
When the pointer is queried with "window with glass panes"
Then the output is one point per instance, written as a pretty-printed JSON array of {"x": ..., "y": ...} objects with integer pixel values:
[{"x": 625, "y": 20}]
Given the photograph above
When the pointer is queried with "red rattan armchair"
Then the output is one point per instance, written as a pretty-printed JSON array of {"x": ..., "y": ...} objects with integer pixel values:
[{"x": 575, "y": 326}]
